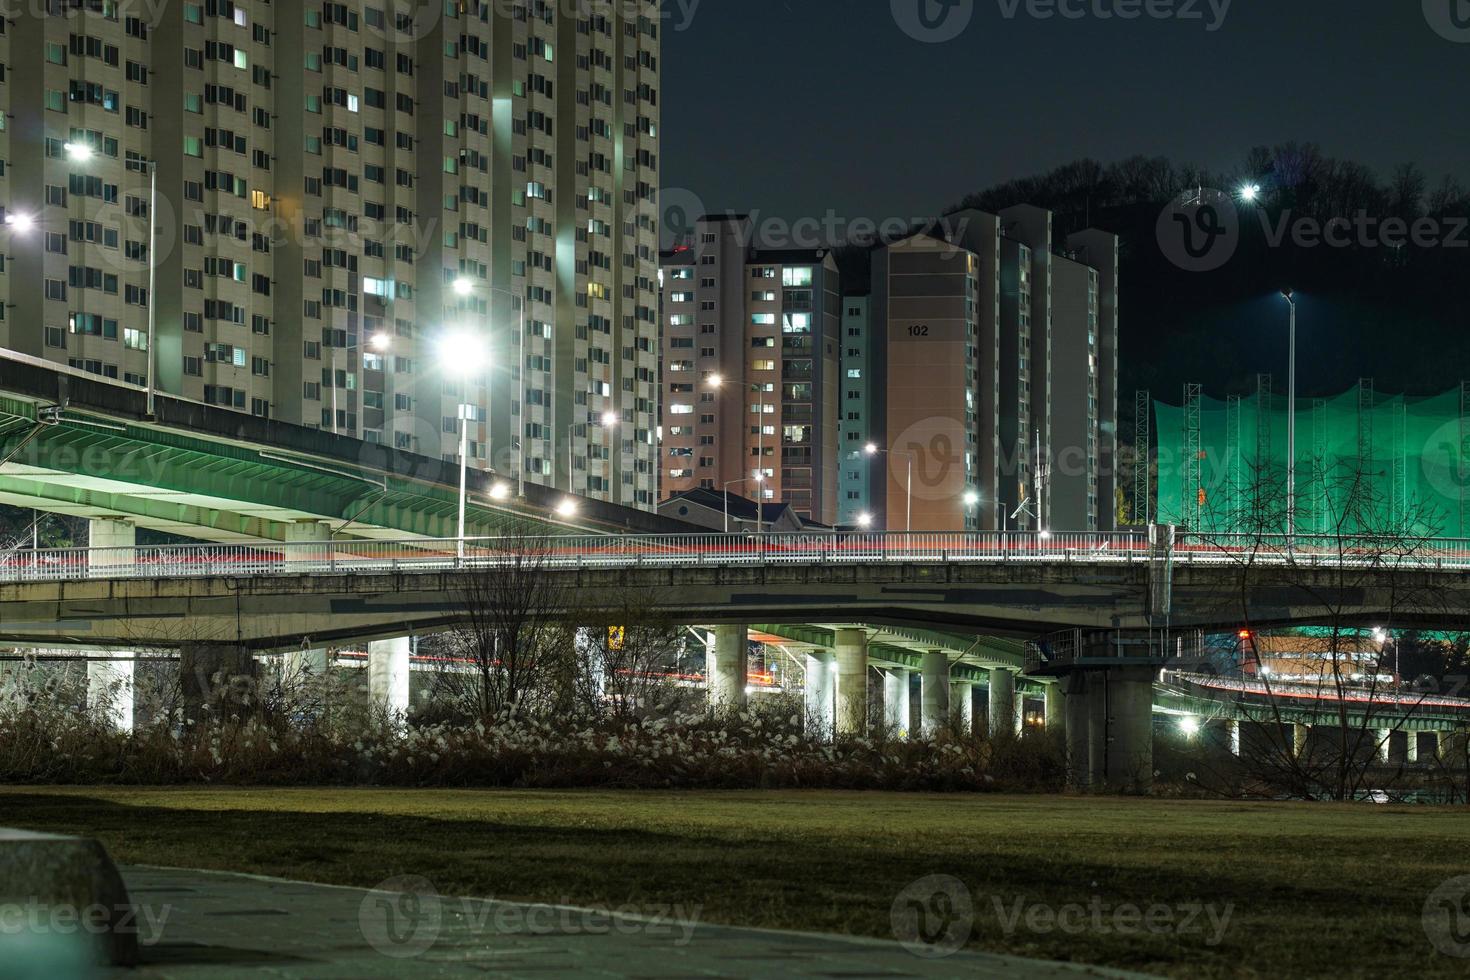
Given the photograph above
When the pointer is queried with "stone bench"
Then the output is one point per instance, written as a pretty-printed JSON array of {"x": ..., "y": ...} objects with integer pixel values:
[{"x": 62, "y": 899}]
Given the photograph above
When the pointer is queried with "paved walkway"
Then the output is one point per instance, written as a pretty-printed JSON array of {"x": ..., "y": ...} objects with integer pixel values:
[{"x": 201, "y": 924}]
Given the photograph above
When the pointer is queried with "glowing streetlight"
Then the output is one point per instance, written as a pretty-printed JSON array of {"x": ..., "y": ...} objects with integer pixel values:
[
  {"x": 21, "y": 223},
  {"x": 500, "y": 491},
  {"x": 463, "y": 354},
  {"x": 1189, "y": 725},
  {"x": 715, "y": 380},
  {"x": 567, "y": 508},
  {"x": 1249, "y": 193},
  {"x": 972, "y": 498},
  {"x": 865, "y": 521},
  {"x": 380, "y": 341},
  {"x": 610, "y": 419},
  {"x": 80, "y": 152},
  {"x": 464, "y": 286}
]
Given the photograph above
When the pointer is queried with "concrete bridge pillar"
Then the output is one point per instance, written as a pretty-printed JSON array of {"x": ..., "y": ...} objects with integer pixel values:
[
  {"x": 116, "y": 540},
  {"x": 896, "y": 700},
  {"x": 726, "y": 667},
  {"x": 1232, "y": 734},
  {"x": 962, "y": 705},
  {"x": 388, "y": 674},
  {"x": 110, "y": 688},
  {"x": 1452, "y": 747},
  {"x": 301, "y": 669},
  {"x": 821, "y": 691},
  {"x": 1130, "y": 727},
  {"x": 934, "y": 697},
  {"x": 1299, "y": 735},
  {"x": 1078, "y": 710},
  {"x": 302, "y": 533},
  {"x": 1056, "y": 708},
  {"x": 1002, "y": 702},
  {"x": 852, "y": 682},
  {"x": 1411, "y": 748},
  {"x": 110, "y": 676},
  {"x": 1385, "y": 745}
]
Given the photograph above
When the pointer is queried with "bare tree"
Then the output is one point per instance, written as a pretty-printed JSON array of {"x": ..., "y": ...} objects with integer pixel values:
[
  {"x": 515, "y": 650},
  {"x": 627, "y": 653},
  {"x": 1361, "y": 552}
]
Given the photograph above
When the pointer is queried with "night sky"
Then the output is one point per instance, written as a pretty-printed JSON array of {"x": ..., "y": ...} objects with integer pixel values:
[{"x": 794, "y": 107}]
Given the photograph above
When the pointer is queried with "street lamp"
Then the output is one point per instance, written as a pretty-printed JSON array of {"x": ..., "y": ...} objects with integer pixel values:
[
  {"x": 865, "y": 520},
  {"x": 758, "y": 480},
  {"x": 22, "y": 223},
  {"x": 1250, "y": 192},
  {"x": 463, "y": 354},
  {"x": 465, "y": 286},
  {"x": 608, "y": 420},
  {"x": 871, "y": 449},
  {"x": 972, "y": 499},
  {"x": 717, "y": 380},
  {"x": 1290, "y": 296},
  {"x": 567, "y": 507}
]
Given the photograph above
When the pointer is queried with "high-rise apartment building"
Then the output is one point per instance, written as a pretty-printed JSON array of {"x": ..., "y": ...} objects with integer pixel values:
[
  {"x": 751, "y": 349},
  {"x": 992, "y": 345},
  {"x": 358, "y": 205}
]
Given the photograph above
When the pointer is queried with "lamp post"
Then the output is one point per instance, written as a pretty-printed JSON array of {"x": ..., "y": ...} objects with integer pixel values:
[
  {"x": 759, "y": 477},
  {"x": 465, "y": 286},
  {"x": 379, "y": 342},
  {"x": 871, "y": 449},
  {"x": 758, "y": 480},
  {"x": 462, "y": 354},
  {"x": 609, "y": 419},
  {"x": 1290, "y": 295}
]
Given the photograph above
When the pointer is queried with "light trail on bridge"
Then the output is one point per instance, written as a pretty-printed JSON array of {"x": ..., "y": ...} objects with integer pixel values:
[{"x": 615, "y": 551}]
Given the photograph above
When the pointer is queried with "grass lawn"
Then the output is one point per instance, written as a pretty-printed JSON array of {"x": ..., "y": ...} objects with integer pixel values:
[{"x": 1312, "y": 890}]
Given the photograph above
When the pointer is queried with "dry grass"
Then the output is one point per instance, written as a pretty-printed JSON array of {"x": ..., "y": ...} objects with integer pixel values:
[{"x": 1312, "y": 889}]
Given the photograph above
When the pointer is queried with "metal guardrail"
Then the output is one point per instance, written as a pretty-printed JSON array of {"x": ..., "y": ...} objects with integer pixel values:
[
  {"x": 618, "y": 551},
  {"x": 1070, "y": 648}
]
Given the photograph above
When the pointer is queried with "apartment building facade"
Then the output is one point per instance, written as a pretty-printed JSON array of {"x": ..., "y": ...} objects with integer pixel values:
[
  {"x": 996, "y": 378},
  {"x": 368, "y": 221},
  {"x": 750, "y": 369}
]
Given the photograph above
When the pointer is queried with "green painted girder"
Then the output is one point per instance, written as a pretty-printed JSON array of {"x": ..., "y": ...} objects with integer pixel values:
[
  {"x": 821, "y": 637},
  {"x": 153, "y": 508},
  {"x": 155, "y": 459}
]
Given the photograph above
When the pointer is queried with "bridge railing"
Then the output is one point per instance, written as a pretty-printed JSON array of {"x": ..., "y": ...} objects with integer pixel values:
[
  {"x": 614, "y": 551},
  {"x": 1080, "y": 648},
  {"x": 590, "y": 551}
]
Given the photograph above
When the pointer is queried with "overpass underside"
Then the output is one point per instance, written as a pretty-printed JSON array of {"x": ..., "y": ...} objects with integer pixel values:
[{"x": 277, "y": 609}]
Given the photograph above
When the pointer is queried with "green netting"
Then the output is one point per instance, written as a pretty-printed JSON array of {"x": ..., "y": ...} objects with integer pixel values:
[{"x": 1365, "y": 464}]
